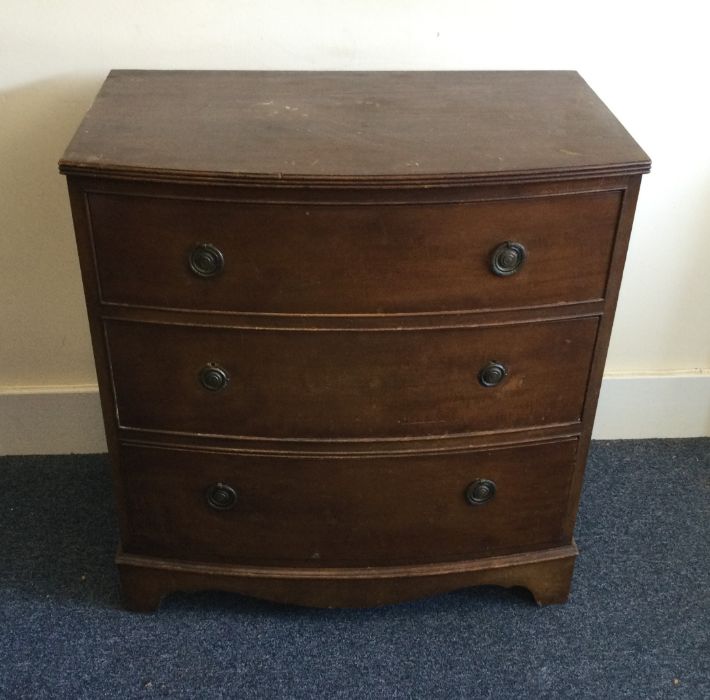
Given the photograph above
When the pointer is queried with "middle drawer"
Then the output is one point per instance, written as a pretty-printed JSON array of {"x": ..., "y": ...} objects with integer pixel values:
[{"x": 326, "y": 385}]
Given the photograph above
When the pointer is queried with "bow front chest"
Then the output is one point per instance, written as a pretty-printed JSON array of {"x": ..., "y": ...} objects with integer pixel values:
[{"x": 349, "y": 328}]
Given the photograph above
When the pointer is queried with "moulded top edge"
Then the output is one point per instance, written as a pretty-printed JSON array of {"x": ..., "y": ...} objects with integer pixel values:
[
  {"x": 334, "y": 128},
  {"x": 295, "y": 180}
]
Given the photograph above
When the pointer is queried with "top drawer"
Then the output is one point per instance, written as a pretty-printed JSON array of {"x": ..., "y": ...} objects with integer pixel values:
[{"x": 352, "y": 259}]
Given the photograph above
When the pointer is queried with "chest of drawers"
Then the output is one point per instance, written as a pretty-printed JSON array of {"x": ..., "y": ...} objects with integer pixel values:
[{"x": 349, "y": 328}]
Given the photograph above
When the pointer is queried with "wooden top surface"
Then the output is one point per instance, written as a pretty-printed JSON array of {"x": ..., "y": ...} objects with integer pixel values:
[{"x": 350, "y": 128}]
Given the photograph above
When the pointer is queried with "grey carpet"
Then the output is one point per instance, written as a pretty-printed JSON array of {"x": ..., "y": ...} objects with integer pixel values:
[{"x": 636, "y": 626}]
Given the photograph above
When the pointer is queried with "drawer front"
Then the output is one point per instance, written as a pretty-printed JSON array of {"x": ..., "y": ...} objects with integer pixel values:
[
  {"x": 344, "y": 511},
  {"x": 325, "y": 259},
  {"x": 340, "y": 384}
]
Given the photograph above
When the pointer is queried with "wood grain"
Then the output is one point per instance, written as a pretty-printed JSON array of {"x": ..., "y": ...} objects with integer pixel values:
[
  {"x": 289, "y": 259},
  {"x": 321, "y": 512},
  {"x": 547, "y": 574},
  {"x": 345, "y": 127},
  {"x": 342, "y": 385},
  {"x": 357, "y": 213}
]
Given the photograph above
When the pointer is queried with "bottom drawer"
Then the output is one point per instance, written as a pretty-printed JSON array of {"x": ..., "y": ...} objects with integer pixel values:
[{"x": 218, "y": 507}]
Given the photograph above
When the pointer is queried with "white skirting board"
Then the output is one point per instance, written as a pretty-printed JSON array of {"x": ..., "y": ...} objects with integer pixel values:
[
  {"x": 654, "y": 405},
  {"x": 51, "y": 420},
  {"x": 67, "y": 419}
]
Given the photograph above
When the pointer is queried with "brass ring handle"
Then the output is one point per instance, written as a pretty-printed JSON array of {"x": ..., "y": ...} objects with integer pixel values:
[
  {"x": 206, "y": 260},
  {"x": 508, "y": 258},
  {"x": 492, "y": 374},
  {"x": 213, "y": 377},
  {"x": 221, "y": 497},
  {"x": 480, "y": 491}
]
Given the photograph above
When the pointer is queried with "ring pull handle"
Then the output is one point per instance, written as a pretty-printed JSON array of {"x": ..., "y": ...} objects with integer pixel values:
[
  {"x": 213, "y": 377},
  {"x": 508, "y": 258},
  {"x": 206, "y": 260},
  {"x": 492, "y": 374},
  {"x": 480, "y": 492},
  {"x": 221, "y": 497}
]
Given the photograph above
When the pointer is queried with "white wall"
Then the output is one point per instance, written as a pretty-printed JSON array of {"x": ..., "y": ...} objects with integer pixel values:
[{"x": 647, "y": 60}]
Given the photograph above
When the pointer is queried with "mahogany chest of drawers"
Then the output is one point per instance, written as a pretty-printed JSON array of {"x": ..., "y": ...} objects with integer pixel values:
[{"x": 349, "y": 328}]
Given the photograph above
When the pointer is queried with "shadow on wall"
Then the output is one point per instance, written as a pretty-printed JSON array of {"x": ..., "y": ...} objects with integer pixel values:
[{"x": 39, "y": 282}]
